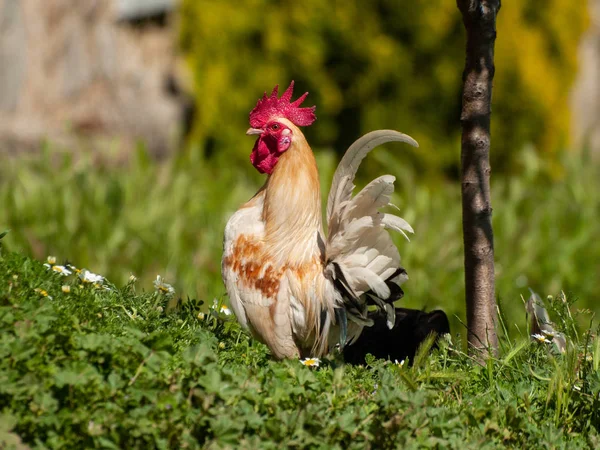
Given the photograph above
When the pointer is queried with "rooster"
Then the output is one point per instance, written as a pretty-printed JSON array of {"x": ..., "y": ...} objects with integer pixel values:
[{"x": 297, "y": 290}]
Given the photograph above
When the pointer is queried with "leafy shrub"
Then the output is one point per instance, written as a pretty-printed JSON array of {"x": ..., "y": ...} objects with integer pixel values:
[
  {"x": 114, "y": 368},
  {"x": 401, "y": 71}
]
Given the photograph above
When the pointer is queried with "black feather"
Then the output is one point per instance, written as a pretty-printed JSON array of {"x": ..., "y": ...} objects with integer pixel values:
[
  {"x": 352, "y": 303},
  {"x": 396, "y": 292},
  {"x": 342, "y": 321}
]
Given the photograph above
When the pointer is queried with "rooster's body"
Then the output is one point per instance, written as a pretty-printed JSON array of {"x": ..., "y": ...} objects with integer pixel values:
[{"x": 296, "y": 290}]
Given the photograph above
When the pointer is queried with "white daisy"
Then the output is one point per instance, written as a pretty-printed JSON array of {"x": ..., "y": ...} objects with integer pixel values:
[
  {"x": 540, "y": 338},
  {"x": 66, "y": 289},
  {"x": 62, "y": 270},
  {"x": 162, "y": 287},
  {"x": 51, "y": 260},
  {"x": 401, "y": 363},
  {"x": 89, "y": 277},
  {"x": 223, "y": 309},
  {"x": 311, "y": 362}
]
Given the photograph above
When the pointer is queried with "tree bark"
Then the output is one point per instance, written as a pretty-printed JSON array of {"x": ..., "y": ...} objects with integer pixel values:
[{"x": 479, "y": 18}]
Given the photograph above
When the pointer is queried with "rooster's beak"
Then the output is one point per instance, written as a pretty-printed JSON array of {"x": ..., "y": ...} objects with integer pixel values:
[{"x": 254, "y": 131}]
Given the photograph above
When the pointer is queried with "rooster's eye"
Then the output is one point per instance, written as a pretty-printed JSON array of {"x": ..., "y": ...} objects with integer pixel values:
[{"x": 275, "y": 127}]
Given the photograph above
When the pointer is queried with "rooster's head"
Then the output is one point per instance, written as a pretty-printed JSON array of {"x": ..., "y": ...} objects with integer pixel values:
[{"x": 271, "y": 119}]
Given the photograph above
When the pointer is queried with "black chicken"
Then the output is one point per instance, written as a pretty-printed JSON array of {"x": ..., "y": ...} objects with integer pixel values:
[{"x": 411, "y": 328}]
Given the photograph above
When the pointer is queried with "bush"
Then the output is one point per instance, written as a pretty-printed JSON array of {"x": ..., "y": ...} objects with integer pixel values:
[
  {"x": 401, "y": 71},
  {"x": 103, "y": 366}
]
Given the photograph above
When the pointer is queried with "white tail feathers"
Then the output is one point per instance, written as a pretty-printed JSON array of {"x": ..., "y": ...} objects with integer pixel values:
[
  {"x": 342, "y": 184},
  {"x": 359, "y": 249}
]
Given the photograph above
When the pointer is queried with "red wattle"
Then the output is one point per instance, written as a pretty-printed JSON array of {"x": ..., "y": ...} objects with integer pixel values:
[{"x": 264, "y": 156}]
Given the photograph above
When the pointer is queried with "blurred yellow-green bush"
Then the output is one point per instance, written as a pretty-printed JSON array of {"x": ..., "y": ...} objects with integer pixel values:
[{"x": 380, "y": 64}]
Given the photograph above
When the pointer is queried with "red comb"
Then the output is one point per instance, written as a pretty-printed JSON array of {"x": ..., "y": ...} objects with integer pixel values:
[{"x": 268, "y": 108}]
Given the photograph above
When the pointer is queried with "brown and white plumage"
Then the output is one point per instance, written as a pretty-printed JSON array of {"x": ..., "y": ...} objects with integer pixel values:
[{"x": 295, "y": 289}]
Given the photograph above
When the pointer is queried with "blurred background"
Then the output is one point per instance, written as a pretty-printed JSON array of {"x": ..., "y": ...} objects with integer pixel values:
[{"x": 123, "y": 150}]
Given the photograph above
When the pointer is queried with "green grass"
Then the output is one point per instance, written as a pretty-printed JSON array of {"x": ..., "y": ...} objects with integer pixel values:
[
  {"x": 113, "y": 366},
  {"x": 167, "y": 218}
]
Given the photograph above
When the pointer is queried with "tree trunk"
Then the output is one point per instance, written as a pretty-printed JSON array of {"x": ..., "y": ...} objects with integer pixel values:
[{"x": 479, "y": 18}]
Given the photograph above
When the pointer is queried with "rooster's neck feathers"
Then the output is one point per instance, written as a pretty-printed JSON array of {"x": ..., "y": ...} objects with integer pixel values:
[{"x": 292, "y": 205}]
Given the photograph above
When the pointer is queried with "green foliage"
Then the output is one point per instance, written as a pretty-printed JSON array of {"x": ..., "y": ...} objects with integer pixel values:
[
  {"x": 168, "y": 218},
  {"x": 148, "y": 220},
  {"x": 115, "y": 368},
  {"x": 401, "y": 71}
]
